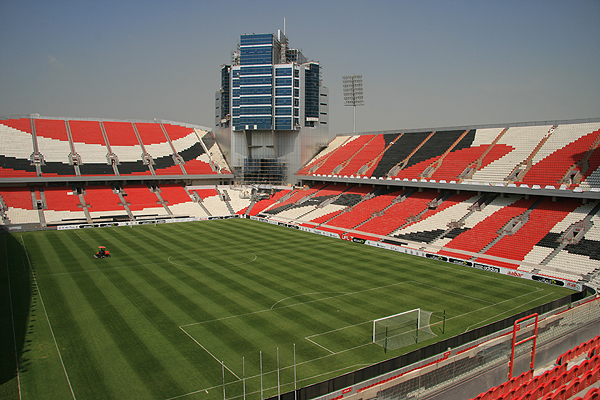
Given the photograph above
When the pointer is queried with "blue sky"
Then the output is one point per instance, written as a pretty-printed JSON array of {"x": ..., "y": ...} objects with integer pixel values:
[{"x": 424, "y": 63}]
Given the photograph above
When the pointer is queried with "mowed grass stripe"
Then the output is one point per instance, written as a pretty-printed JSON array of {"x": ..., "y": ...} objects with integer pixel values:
[
  {"x": 183, "y": 354},
  {"x": 305, "y": 278},
  {"x": 107, "y": 328},
  {"x": 219, "y": 280},
  {"x": 157, "y": 379},
  {"x": 153, "y": 279},
  {"x": 73, "y": 319},
  {"x": 176, "y": 277}
]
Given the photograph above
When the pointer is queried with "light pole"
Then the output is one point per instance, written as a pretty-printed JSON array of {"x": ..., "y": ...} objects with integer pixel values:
[{"x": 353, "y": 93}]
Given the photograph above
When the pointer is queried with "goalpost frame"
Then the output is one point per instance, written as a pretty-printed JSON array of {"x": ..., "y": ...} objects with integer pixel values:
[{"x": 397, "y": 315}]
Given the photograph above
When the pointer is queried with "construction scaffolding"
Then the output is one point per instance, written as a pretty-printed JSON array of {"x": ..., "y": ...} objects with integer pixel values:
[{"x": 263, "y": 170}]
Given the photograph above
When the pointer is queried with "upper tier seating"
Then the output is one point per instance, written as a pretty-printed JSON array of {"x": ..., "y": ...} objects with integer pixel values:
[
  {"x": 89, "y": 144},
  {"x": 124, "y": 143},
  {"x": 430, "y": 152},
  {"x": 341, "y": 155},
  {"x": 53, "y": 143},
  {"x": 92, "y": 148},
  {"x": 188, "y": 145},
  {"x": 367, "y": 153},
  {"x": 566, "y": 146},
  {"x": 320, "y": 158},
  {"x": 531, "y": 155},
  {"x": 16, "y": 147},
  {"x": 522, "y": 141}
]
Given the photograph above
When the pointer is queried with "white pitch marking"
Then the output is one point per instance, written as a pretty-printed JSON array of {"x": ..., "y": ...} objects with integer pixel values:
[
  {"x": 323, "y": 347},
  {"x": 49, "y": 324},
  {"x": 537, "y": 298},
  {"x": 211, "y": 354},
  {"x": 303, "y": 294},
  {"x": 218, "y": 266}
]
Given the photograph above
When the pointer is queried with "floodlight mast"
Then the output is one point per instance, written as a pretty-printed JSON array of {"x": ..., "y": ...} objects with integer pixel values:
[{"x": 353, "y": 93}]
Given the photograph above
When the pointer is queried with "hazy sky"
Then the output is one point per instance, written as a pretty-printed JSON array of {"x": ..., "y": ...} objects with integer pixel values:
[{"x": 424, "y": 63}]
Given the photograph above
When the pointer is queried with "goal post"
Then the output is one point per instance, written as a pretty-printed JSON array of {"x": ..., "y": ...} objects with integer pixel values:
[{"x": 402, "y": 329}]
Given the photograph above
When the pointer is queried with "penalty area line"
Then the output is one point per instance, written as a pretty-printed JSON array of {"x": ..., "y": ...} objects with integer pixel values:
[
  {"x": 315, "y": 343},
  {"x": 209, "y": 353}
]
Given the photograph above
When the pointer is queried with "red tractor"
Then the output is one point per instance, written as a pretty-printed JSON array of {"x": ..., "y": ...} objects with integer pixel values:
[{"x": 102, "y": 253}]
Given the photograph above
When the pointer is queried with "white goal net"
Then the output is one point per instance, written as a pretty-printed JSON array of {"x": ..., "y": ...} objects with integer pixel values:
[{"x": 403, "y": 329}]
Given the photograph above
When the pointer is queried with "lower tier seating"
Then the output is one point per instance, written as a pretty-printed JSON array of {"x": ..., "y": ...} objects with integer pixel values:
[{"x": 575, "y": 375}]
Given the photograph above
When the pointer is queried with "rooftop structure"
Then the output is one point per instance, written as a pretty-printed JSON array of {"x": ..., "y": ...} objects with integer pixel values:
[{"x": 271, "y": 112}]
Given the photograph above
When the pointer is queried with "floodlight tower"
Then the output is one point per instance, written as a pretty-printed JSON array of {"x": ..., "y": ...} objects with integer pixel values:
[{"x": 353, "y": 93}]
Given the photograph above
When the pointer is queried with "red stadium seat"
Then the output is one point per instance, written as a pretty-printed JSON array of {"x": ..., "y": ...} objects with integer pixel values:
[{"x": 592, "y": 394}]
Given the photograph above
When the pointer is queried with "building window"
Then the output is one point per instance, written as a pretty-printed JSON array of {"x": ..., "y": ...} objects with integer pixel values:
[
  {"x": 283, "y": 72},
  {"x": 283, "y": 101},
  {"x": 283, "y": 81},
  {"x": 283, "y": 111},
  {"x": 283, "y": 91}
]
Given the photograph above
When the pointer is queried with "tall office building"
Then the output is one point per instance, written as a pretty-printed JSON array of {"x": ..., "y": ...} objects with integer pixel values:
[{"x": 271, "y": 110}]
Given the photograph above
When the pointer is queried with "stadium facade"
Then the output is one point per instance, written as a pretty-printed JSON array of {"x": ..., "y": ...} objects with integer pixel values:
[{"x": 271, "y": 111}]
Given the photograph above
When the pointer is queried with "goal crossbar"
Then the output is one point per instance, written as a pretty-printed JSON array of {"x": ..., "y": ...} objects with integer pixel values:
[{"x": 418, "y": 323}]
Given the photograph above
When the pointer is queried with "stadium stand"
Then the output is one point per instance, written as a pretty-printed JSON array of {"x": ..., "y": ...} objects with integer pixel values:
[
  {"x": 574, "y": 375},
  {"x": 103, "y": 202},
  {"x": 89, "y": 144},
  {"x": 560, "y": 159},
  {"x": 55, "y": 147},
  {"x": 62, "y": 204},
  {"x": 361, "y": 158},
  {"x": 265, "y": 199},
  {"x": 320, "y": 159},
  {"x": 400, "y": 213},
  {"x": 52, "y": 147},
  {"x": 517, "y": 231},
  {"x": 339, "y": 158},
  {"x": 142, "y": 201},
  {"x": 125, "y": 145},
  {"x": 521, "y": 141},
  {"x": 294, "y": 199},
  {"x": 16, "y": 142},
  {"x": 17, "y": 206},
  {"x": 491, "y": 156},
  {"x": 380, "y": 187}
]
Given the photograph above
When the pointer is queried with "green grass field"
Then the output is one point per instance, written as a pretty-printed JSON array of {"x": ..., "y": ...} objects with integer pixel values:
[{"x": 155, "y": 320}]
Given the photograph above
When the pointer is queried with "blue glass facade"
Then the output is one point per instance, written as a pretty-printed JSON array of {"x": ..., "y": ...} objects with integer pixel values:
[
  {"x": 258, "y": 53},
  {"x": 276, "y": 107}
]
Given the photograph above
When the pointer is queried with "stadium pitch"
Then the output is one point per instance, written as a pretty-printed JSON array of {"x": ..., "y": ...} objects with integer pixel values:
[{"x": 180, "y": 306}]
